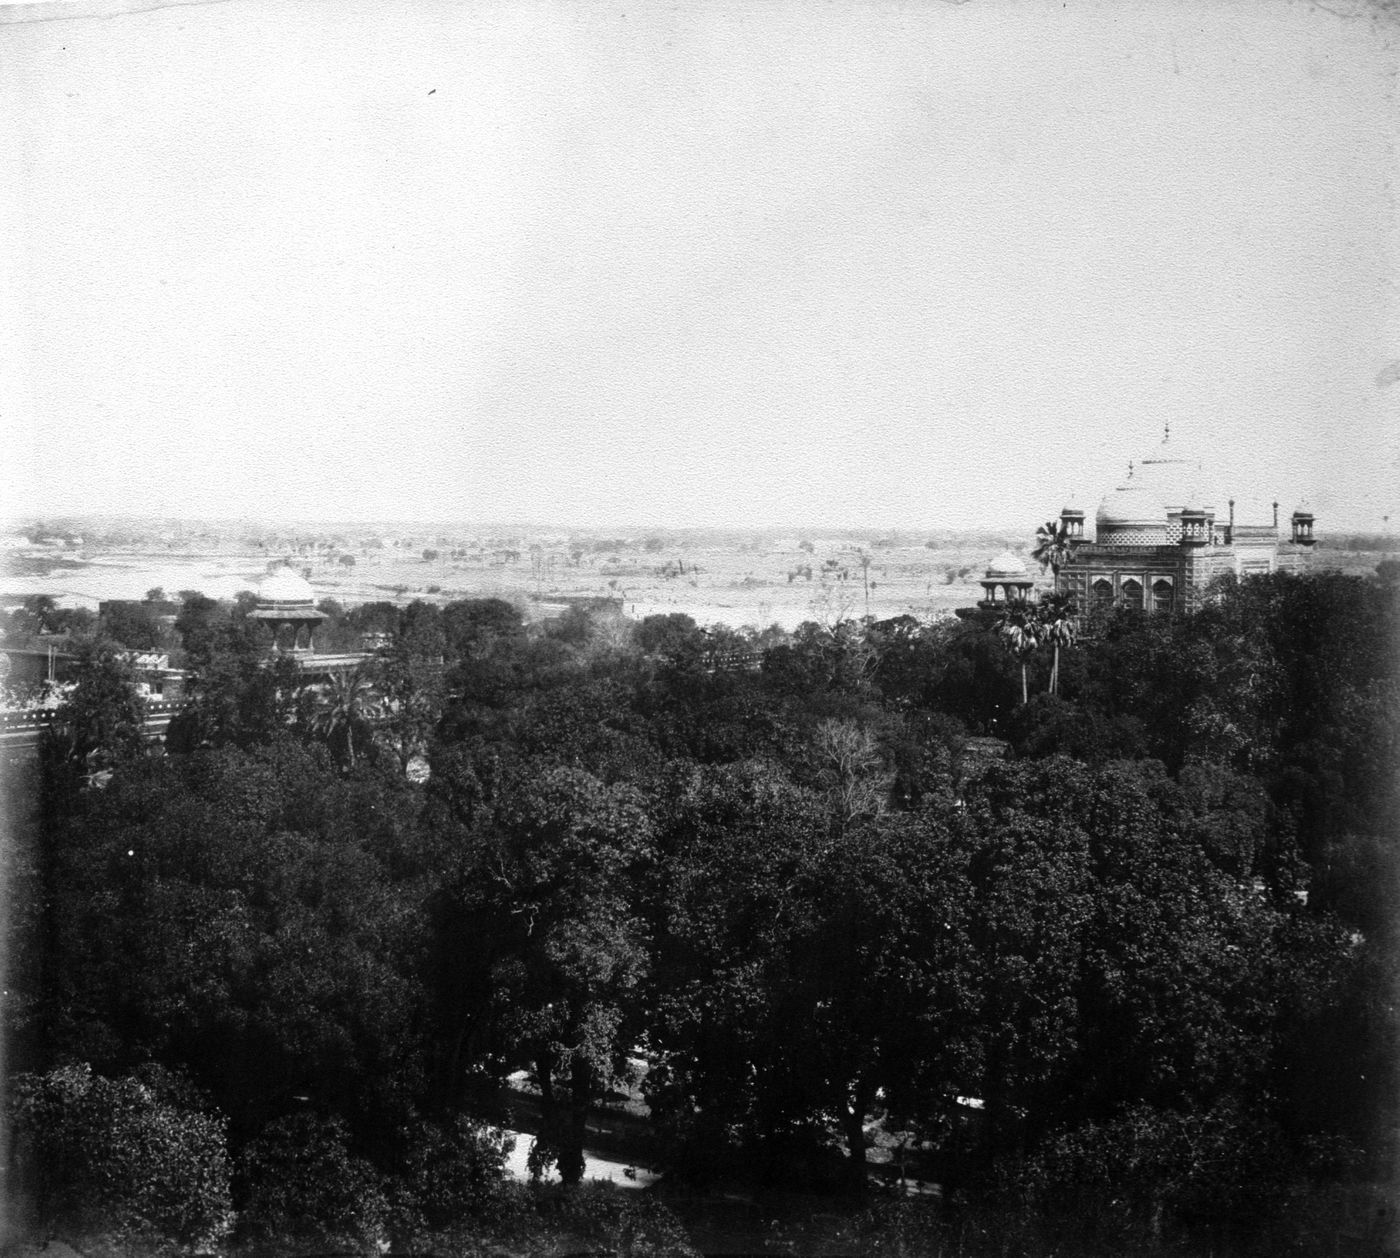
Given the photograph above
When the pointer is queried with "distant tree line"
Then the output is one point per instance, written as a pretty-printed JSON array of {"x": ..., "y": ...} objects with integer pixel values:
[{"x": 1385, "y": 542}]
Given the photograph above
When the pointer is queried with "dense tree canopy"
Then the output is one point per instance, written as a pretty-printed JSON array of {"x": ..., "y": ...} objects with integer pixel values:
[{"x": 782, "y": 888}]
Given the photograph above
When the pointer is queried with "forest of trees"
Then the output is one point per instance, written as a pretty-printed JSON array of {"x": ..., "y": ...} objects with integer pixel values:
[{"x": 1129, "y": 984}]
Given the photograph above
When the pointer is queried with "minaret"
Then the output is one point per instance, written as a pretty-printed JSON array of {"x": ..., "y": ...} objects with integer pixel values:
[
  {"x": 1072, "y": 522},
  {"x": 1196, "y": 524}
]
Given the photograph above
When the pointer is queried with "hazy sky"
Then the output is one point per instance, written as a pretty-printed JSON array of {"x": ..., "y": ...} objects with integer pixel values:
[{"x": 832, "y": 263}]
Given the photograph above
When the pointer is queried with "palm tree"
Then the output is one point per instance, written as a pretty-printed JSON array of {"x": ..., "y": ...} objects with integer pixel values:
[
  {"x": 1021, "y": 631},
  {"x": 1054, "y": 546},
  {"x": 1055, "y": 618},
  {"x": 352, "y": 705}
]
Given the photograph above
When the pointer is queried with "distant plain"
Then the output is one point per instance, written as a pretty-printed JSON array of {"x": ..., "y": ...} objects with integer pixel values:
[{"x": 754, "y": 579}]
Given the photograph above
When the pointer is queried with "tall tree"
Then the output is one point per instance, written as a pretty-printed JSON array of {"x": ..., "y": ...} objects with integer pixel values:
[
  {"x": 237, "y": 694},
  {"x": 851, "y": 771},
  {"x": 565, "y": 854},
  {"x": 736, "y": 841},
  {"x": 35, "y": 613},
  {"x": 198, "y": 625},
  {"x": 541, "y": 951},
  {"x": 1055, "y": 624},
  {"x": 1019, "y": 629},
  {"x": 252, "y": 914},
  {"x": 412, "y": 691},
  {"x": 351, "y": 706},
  {"x": 101, "y": 721},
  {"x": 132, "y": 624},
  {"x": 1054, "y": 546}
]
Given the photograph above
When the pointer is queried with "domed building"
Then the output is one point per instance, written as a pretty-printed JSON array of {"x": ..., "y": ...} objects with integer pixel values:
[
  {"x": 1006, "y": 574},
  {"x": 286, "y": 600},
  {"x": 1161, "y": 536}
]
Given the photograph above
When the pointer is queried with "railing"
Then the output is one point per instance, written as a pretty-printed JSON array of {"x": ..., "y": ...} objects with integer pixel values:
[
  {"x": 27, "y": 718},
  {"x": 736, "y": 661},
  {"x": 23, "y": 727}
]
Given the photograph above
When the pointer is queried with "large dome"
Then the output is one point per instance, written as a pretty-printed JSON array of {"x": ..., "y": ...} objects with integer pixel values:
[
  {"x": 1131, "y": 505},
  {"x": 285, "y": 588},
  {"x": 1175, "y": 474}
]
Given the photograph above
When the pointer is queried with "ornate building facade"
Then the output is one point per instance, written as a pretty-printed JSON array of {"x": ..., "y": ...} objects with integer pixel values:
[{"x": 1164, "y": 533}]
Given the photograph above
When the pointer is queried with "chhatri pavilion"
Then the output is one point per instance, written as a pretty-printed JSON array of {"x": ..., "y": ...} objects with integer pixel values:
[{"x": 286, "y": 602}]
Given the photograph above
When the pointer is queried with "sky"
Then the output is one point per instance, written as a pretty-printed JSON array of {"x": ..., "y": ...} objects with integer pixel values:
[{"x": 697, "y": 264}]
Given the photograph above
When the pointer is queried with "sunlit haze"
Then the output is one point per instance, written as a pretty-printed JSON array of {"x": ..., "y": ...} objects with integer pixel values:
[{"x": 877, "y": 264}]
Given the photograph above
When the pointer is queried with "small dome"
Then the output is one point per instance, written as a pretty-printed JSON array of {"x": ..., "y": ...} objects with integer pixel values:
[
  {"x": 285, "y": 586},
  {"x": 1132, "y": 505},
  {"x": 1007, "y": 566}
]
